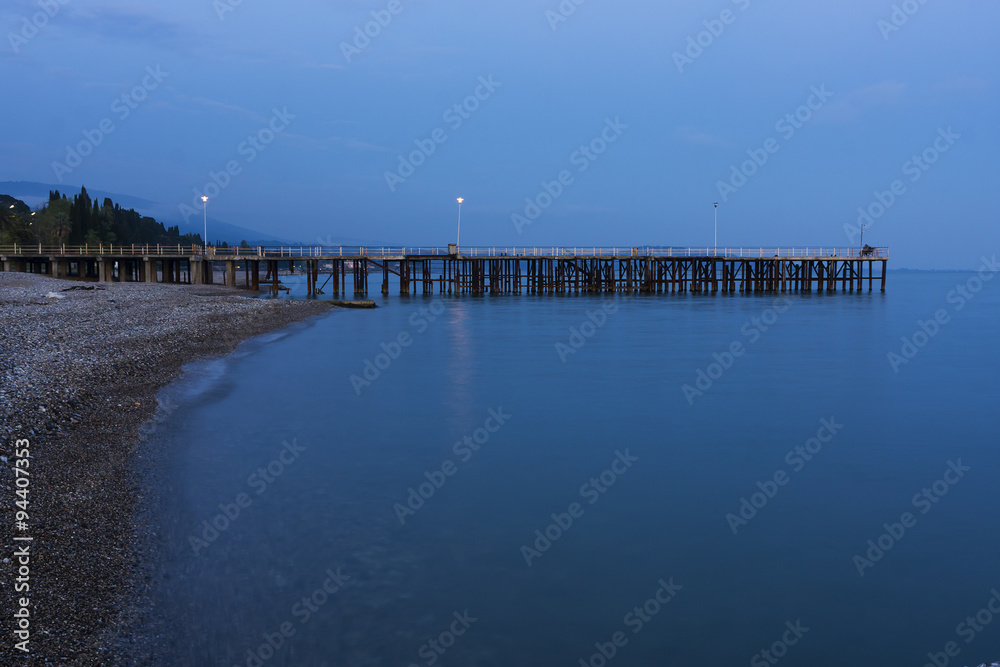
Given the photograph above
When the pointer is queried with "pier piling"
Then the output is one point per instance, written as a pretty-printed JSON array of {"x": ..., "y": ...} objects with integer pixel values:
[{"x": 479, "y": 271}]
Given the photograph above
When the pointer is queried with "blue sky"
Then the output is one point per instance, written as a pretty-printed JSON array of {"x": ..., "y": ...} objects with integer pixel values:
[{"x": 324, "y": 124}]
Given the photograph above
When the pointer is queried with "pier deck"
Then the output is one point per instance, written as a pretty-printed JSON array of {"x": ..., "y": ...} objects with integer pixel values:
[{"x": 470, "y": 270}]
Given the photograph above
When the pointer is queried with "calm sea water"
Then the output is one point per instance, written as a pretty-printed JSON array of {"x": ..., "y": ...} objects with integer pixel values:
[{"x": 647, "y": 481}]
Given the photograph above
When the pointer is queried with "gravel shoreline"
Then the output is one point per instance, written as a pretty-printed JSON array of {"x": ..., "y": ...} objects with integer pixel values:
[{"x": 80, "y": 376}]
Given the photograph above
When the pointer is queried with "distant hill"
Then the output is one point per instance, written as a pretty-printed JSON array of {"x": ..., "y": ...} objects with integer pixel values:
[
  {"x": 16, "y": 205},
  {"x": 36, "y": 194}
]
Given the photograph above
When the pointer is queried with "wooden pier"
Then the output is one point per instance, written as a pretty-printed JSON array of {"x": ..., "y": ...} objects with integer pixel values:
[{"x": 470, "y": 271}]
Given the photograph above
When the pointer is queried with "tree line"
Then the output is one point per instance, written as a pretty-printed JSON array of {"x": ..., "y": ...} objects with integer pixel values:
[{"x": 82, "y": 220}]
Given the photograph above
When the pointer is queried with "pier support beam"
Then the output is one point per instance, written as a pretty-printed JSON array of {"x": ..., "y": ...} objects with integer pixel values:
[{"x": 489, "y": 274}]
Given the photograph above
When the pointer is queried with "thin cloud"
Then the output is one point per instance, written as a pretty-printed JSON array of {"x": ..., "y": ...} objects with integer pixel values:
[
  {"x": 356, "y": 144},
  {"x": 101, "y": 84},
  {"x": 439, "y": 50},
  {"x": 228, "y": 108},
  {"x": 853, "y": 105},
  {"x": 693, "y": 135},
  {"x": 962, "y": 84},
  {"x": 301, "y": 140},
  {"x": 321, "y": 66},
  {"x": 135, "y": 23},
  {"x": 17, "y": 8}
]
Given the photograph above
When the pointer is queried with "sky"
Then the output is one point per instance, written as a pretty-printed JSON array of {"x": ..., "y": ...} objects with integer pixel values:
[{"x": 572, "y": 122}]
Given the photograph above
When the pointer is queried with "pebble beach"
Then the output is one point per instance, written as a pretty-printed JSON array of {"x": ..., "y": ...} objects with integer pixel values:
[{"x": 81, "y": 366}]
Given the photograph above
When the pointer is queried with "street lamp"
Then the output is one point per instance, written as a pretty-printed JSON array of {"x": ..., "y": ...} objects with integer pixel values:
[
  {"x": 716, "y": 228},
  {"x": 861, "y": 253},
  {"x": 204, "y": 248},
  {"x": 458, "y": 238}
]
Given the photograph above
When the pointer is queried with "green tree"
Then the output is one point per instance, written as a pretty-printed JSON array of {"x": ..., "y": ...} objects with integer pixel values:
[
  {"x": 14, "y": 227},
  {"x": 83, "y": 221}
]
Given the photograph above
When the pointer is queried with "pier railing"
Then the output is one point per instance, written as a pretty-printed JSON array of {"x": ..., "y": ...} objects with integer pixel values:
[{"x": 465, "y": 251}]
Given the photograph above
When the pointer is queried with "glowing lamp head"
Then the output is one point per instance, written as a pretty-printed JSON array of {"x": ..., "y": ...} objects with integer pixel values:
[
  {"x": 460, "y": 200},
  {"x": 205, "y": 199}
]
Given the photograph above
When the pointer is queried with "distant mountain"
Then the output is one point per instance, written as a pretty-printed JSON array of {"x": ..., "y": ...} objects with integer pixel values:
[
  {"x": 29, "y": 192},
  {"x": 36, "y": 194}
]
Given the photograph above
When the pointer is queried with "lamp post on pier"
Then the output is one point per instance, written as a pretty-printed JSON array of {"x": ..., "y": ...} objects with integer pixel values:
[
  {"x": 204, "y": 248},
  {"x": 458, "y": 238},
  {"x": 716, "y": 228}
]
